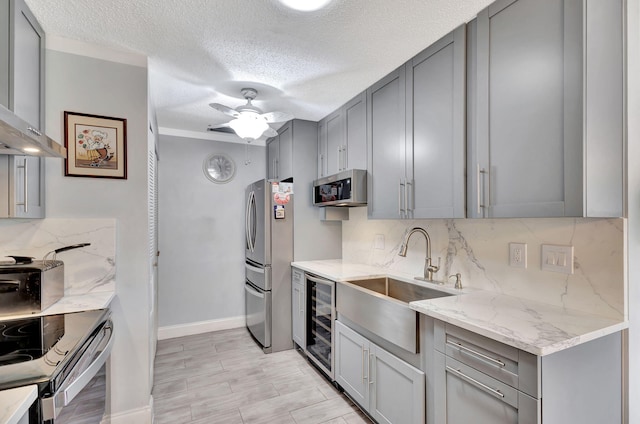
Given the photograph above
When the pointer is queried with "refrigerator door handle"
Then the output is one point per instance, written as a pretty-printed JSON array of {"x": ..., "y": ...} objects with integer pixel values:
[
  {"x": 246, "y": 222},
  {"x": 253, "y": 292},
  {"x": 259, "y": 270}
]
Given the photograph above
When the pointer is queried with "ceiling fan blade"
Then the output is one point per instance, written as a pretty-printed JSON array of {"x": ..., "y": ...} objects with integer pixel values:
[
  {"x": 277, "y": 117},
  {"x": 270, "y": 132},
  {"x": 224, "y": 125},
  {"x": 225, "y": 109}
]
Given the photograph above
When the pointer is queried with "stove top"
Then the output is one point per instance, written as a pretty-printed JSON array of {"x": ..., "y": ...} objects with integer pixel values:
[{"x": 37, "y": 349}]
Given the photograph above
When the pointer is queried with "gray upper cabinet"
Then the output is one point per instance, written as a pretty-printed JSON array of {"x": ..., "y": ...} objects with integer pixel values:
[
  {"x": 22, "y": 187},
  {"x": 342, "y": 138},
  {"x": 535, "y": 112},
  {"x": 416, "y": 135},
  {"x": 22, "y": 48},
  {"x": 435, "y": 144},
  {"x": 386, "y": 146},
  {"x": 280, "y": 154}
]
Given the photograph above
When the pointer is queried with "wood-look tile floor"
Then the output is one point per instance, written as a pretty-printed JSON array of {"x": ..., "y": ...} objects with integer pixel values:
[{"x": 224, "y": 377}]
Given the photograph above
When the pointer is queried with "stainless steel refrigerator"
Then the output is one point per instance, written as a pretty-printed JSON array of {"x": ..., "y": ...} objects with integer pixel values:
[{"x": 268, "y": 256}]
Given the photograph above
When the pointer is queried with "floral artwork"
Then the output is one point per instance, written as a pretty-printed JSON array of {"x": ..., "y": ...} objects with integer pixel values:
[{"x": 95, "y": 146}]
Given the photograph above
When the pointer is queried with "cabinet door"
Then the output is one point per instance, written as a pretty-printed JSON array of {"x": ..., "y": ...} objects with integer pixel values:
[
  {"x": 4, "y": 54},
  {"x": 528, "y": 129},
  {"x": 436, "y": 129},
  {"x": 285, "y": 162},
  {"x": 27, "y": 57},
  {"x": 273, "y": 154},
  {"x": 335, "y": 142},
  {"x": 386, "y": 146},
  {"x": 322, "y": 148},
  {"x": 355, "y": 121},
  {"x": 398, "y": 394},
  {"x": 352, "y": 364},
  {"x": 297, "y": 307},
  {"x": 485, "y": 400},
  {"x": 26, "y": 187}
]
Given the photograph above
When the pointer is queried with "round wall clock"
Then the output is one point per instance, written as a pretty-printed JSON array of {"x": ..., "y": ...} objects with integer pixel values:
[{"x": 219, "y": 168}]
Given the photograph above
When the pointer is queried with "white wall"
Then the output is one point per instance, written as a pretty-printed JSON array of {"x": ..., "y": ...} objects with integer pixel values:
[
  {"x": 89, "y": 85},
  {"x": 201, "y": 266}
]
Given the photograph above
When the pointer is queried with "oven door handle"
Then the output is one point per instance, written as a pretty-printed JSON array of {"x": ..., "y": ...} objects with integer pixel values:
[{"x": 52, "y": 405}]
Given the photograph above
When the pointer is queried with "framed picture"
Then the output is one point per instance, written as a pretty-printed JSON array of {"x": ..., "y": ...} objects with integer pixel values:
[{"x": 96, "y": 146}]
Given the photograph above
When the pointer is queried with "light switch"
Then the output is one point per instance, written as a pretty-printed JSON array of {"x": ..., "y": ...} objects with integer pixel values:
[
  {"x": 378, "y": 241},
  {"x": 557, "y": 258}
]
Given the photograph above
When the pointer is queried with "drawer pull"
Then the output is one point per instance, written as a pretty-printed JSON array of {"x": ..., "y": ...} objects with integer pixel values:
[
  {"x": 472, "y": 380},
  {"x": 463, "y": 349}
]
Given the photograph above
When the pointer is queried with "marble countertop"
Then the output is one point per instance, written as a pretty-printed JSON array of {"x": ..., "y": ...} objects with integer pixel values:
[
  {"x": 75, "y": 303},
  {"x": 534, "y": 327},
  {"x": 14, "y": 403}
]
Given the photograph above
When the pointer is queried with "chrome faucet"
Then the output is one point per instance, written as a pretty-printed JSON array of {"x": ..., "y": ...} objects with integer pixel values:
[{"x": 429, "y": 269}]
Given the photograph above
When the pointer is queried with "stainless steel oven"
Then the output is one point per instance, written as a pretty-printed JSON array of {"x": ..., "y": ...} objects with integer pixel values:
[
  {"x": 321, "y": 315},
  {"x": 64, "y": 355}
]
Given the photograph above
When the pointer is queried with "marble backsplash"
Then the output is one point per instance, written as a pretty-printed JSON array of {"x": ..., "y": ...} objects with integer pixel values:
[
  {"x": 479, "y": 250},
  {"x": 86, "y": 270}
]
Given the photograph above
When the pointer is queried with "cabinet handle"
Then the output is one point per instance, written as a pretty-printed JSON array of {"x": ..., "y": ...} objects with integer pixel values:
[
  {"x": 25, "y": 188},
  {"x": 322, "y": 165},
  {"x": 400, "y": 200},
  {"x": 480, "y": 188},
  {"x": 495, "y": 392},
  {"x": 463, "y": 349},
  {"x": 408, "y": 196},
  {"x": 339, "y": 158},
  {"x": 372, "y": 358},
  {"x": 344, "y": 158},
  {"x": 365, "y": 356}
]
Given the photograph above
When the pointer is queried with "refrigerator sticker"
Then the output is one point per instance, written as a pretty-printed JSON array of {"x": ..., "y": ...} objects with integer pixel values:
[
  {"x": 281, "y": 198},
  {"x": 278, "y": 211},
  {"x": 280, "y": 187}
]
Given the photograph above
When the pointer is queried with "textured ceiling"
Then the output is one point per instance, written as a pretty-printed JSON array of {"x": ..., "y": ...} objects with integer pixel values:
[{"x": 307, "y": 64}]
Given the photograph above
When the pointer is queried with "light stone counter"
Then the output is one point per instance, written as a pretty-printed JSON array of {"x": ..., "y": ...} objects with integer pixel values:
[
  {"x": 14, "y": 403},
  {"x": 76, "y": 303},
  {"x": 532, "y": 326}
]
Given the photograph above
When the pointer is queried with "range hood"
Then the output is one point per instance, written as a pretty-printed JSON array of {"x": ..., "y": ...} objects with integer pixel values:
[{"x": 17, "y": 138}]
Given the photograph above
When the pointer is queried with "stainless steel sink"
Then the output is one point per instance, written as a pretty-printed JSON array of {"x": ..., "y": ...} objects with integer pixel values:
[
  {"x": 381, "y": 305},
  {"x": 400, "y": 290}
]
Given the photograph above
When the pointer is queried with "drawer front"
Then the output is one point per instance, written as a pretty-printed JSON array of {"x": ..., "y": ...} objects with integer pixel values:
[{"x": 505, "y": 363}]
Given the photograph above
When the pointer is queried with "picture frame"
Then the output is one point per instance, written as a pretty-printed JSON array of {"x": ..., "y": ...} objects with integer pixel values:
[{"x": 96, "y": 146}]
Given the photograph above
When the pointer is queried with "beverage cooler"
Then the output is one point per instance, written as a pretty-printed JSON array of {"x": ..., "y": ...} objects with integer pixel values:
[{"x": 320, "y": 307}]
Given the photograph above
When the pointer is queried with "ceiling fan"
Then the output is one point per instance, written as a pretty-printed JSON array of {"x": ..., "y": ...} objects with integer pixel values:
[{"x": 249, "y": 122}]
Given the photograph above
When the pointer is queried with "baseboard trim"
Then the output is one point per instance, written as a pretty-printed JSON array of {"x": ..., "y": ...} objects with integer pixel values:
[
  {"x": 142, "y": 415},
  {"x": 181, "y": 330}
]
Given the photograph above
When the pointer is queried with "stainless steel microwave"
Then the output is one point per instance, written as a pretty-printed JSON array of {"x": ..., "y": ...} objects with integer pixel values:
[{"x": 346, "y": 188}]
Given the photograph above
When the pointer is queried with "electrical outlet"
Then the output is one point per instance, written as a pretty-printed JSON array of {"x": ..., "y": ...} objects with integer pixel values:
[
  {"x": 557, "y": 258},
  {"x": 518, "y": 255}
]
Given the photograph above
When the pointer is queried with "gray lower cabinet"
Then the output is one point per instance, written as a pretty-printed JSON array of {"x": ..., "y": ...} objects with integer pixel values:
[
  {"x": 479, "y": 380},
  {"x": 387, "y": 388},
  {"x": 416, "y": 135},
  {"x": 22, "y": 187},
  {"x": 545, "y": 100},
  {"x": 22, "y": 49},
  {"x": 298, "y": 307}
]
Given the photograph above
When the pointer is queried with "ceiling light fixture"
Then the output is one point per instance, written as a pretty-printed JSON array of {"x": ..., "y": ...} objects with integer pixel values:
[
  {"x": 249, "y": 125},
  {"x": 305, "y": 5}
]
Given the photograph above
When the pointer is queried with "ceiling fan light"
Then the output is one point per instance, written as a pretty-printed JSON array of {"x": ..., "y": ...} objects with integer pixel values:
[
  {"x": 249, "y": 126},
  {"x": 305, "y": 5}
]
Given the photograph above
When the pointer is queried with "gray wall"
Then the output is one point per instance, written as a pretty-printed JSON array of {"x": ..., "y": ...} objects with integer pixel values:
[
  {"x": 201, "y": 226},
  {"x": 87, "y": 85}
]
